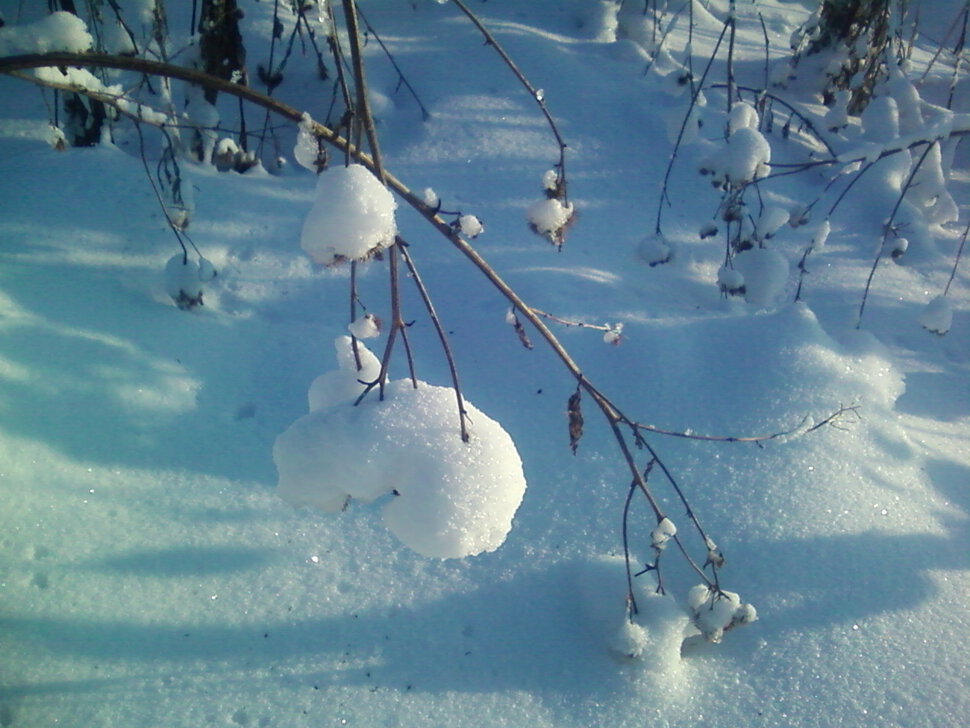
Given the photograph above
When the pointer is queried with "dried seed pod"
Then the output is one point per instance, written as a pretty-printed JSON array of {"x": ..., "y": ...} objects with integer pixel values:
[{"x": 575, "y": 420}]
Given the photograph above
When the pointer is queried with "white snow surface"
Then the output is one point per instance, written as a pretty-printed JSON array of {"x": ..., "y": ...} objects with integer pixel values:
[{"x": 150, "y": 574}]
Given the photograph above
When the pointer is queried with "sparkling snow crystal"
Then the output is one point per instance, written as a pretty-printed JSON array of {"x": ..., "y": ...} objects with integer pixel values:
[
  {"x": 445, "y": 498},
  {"x": 352, "y": 216}
]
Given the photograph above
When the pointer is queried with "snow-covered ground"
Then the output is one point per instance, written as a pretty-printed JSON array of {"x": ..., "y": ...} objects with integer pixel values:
[{"x": 151, "y": 575}]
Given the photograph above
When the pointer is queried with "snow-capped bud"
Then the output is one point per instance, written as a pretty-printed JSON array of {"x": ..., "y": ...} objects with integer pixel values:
[
  {"x": 708, "y": 231},
  {"x": 470, "y": 226},
  {"x": 367, "y": 326},
  {"x": 662, "y": 533},
  {"x": 937, "y": 317},
  {"x": 614, "y": 334}
]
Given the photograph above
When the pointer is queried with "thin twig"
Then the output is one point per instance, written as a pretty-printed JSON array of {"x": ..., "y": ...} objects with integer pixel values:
[
  {"x": 442, "y": 337},
  {"x": 535, "y": 93},
  {"x": 833, "y": 417},
  {"x": 887, "y": 228}
]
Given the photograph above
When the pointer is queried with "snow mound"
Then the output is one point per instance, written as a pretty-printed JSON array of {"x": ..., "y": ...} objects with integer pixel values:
[
  {"x": 344, "y": 384},
  {"x": 450, "y": 498},
  {"x": 654, "y": 635},
  {"x": 352, "y": 216},
  {"x": 745, "y": 158},
  {"x": 765, "y": 272},
  {"x": 937, "y": 316},
  {"x": 184, "y": 280}
]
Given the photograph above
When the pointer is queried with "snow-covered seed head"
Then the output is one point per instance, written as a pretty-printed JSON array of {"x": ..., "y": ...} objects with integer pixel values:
[
  {"x": 896, "y": 248},
  {"x": 470, "y": 226},
  {"x": 431, "y": 198},
  {"x": 708, "y": 230},
  {"x": 715, "y": 611},
  {"x": 551, "y": 218},
  {"x": 662, "y": 533},
  {"x": 614, "y": 334},
  {"x": 714, "y": 555},
  {"x": 367, "y": 326},
  {"x": 655, "y": 250},
  {"x": 937, "y": 317},
  {"x": 183, "y": 282},
  {"x": 730, "y": 281}
]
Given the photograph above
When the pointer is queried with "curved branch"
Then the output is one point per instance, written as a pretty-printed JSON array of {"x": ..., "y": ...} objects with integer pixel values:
[{"x": 613, "y": 415}]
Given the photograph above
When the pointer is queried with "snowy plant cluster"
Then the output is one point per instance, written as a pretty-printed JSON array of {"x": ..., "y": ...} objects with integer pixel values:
[
  {"x": 366, "y": 437},
  {"x": 882, "y": 136}
]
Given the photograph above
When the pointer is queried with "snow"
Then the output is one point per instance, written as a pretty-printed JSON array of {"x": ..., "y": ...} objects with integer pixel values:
[
  {"x": 352, "y": 216},
  {"x": 367, "y": 326},
  {"x": 765, "y": 274},
  {"x": 743, "y": 159},
  {"x": 937, "y": 317},
  {"x": 549, "y": 216},
  {"x": 150, "y": 572},
  {"x": 450, "y": 498},
  {"x": 470, "y": 226},
  {"x": 59, "y": 31},
  {"x": 183, "y": 281},
  {"x": 664, "y": 531}
]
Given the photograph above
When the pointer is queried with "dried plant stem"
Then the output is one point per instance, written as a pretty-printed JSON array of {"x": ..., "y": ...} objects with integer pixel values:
[
  {"x": 663, "y": 197},
  {"x": 887, "y": 228},
  {"x": 956, "y": 260},
  {"x": 830, "y": 419},
  {"x": 567, "y": 322},
  {"x": 535, "y": 93},
  {"x": 442, "y": 337}
]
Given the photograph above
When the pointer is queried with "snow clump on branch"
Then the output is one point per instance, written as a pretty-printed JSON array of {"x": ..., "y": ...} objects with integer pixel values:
[
  {"x": 352, "y": 217},
  {"x": 715, "y": 612},
  {"x": 445, "y": 498},
  {"x": 60, "y": 31}
]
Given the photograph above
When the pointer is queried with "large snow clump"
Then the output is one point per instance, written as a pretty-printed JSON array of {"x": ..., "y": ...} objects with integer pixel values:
[
  {"x": 450, "y": 498},
  {"x": 59, "y": 31},
  {"x": 352, "y": 216}
]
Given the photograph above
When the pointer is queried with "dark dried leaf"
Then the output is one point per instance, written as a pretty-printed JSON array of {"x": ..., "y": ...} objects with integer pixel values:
[
  {"x": 520, "y": 330},
  {"x": 575, "y": 420}
]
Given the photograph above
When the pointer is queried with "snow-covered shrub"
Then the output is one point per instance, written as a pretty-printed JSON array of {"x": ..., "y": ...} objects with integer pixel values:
[
  {"x": 937, "y": 316},
  {"x": 185, "y": 279},
  {"x": 352, "y": 216},
  {"x": 551, "y": 216},
  {"x": 765, "y": 273},
  {"x": 445, "y": 498},
  {"x": 715, "y": 612},
  {"x": 742, "y": 160},
  {"x": 655, "y": 250}
]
